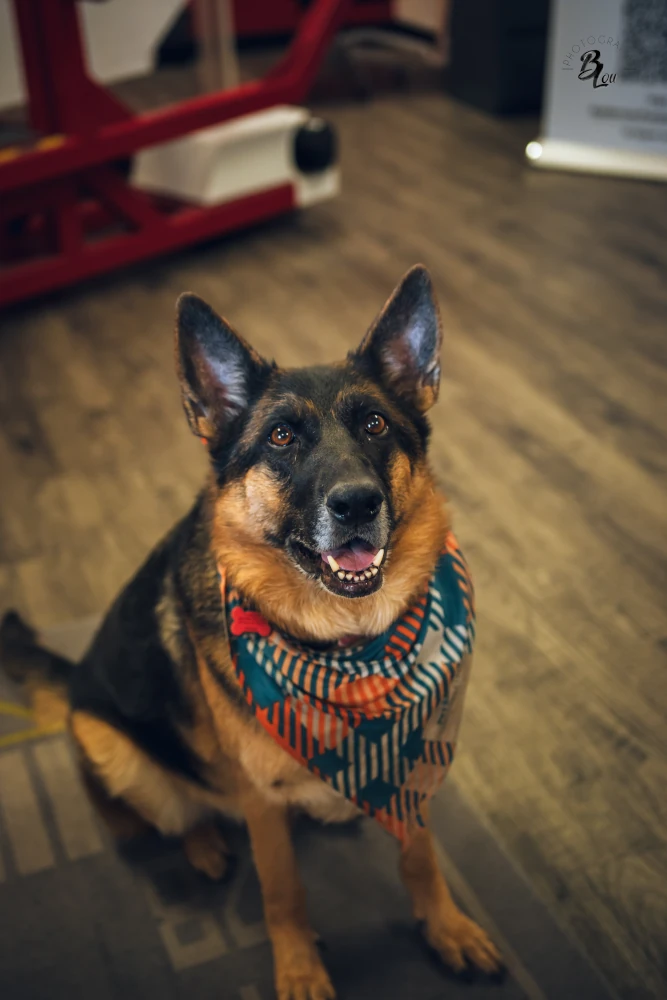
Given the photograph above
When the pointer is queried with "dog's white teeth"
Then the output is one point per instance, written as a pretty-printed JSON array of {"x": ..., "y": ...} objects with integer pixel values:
[
  {"x": 357, "y": 577},
  {"x": 360, "y": 577}
]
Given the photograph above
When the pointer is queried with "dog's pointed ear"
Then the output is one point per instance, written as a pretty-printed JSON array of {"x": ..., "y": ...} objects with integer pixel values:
[
  {"x": 219, "y": 372},
  {"x": 402, "y": 346}
]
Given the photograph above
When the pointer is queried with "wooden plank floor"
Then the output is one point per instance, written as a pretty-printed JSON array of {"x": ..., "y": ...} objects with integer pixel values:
[{"x": 550, "y": 437}]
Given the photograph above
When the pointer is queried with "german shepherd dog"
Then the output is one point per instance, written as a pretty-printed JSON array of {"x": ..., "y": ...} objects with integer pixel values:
[{"x": 311, "y": 470}]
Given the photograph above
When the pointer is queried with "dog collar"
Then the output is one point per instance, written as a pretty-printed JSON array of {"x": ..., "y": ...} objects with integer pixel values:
[{"x": 377, "y": 721}]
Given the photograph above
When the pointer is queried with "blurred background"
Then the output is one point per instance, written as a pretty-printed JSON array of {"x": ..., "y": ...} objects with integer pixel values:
[{"x": 288, "y": 161}]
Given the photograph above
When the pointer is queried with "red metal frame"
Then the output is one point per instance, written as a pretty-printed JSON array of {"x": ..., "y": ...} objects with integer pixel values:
[{"x": 56, "y": 196}]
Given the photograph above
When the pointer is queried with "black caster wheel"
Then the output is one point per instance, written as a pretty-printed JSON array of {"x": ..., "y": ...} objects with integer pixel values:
[{"x": 315, "y": 146}]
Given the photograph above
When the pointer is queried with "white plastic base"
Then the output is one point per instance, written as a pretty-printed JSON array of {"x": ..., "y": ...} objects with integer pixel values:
[
  {"x": 558, "y": 154},
  {"x": 237, "y": 158}
]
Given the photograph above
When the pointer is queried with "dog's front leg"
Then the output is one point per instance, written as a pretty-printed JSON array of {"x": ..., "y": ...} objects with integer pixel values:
[
  {"x": 299, "y": 972},
  {"x": 457, "y": 939}
]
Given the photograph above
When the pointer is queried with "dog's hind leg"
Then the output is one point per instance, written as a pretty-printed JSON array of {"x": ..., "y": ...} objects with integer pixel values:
[
  {"x": 299, "y": 972},
  {"x": 131, "y": 791},
  {"x": 123, "y": 822},
  {"x": 458, "y": 940},
  {"x": 127, "y": 773},
  {"x": 206, "y": 850}
]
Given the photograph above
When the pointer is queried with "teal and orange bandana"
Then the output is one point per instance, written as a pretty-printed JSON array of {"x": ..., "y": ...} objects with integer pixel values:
[{"x": 377, "y": 721}]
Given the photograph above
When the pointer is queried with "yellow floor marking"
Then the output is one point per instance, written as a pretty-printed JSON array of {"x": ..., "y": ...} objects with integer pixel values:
[
  {"x": 10, "y": 708},
  {"x": 10, "y": 739}
]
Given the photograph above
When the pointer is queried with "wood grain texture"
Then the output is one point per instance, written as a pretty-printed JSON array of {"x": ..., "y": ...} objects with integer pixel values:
[{"x": 550, "y": 438}]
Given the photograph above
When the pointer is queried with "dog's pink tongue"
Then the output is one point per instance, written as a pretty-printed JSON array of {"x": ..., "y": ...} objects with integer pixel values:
[{"x": 354, "y": 557}]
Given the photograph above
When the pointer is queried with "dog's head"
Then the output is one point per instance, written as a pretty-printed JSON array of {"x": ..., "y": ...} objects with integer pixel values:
[{"x": 317, "y": 471}]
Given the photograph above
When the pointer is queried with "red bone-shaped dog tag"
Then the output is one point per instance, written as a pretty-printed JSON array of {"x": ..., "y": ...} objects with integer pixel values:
[{"x": 248, "y": 621}]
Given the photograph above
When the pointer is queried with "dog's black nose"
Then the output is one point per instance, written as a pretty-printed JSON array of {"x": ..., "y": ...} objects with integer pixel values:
[{"x": 354, "y": 503}]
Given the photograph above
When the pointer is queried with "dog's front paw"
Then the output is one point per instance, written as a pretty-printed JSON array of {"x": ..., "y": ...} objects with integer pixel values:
[
  {"x": 461, "y": 942},
  {"x": 303, "y": 977}
]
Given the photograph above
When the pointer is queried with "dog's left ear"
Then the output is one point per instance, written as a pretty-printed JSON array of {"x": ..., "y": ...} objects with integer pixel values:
[
  {"x": 403, "y": 344},
  {"x": 219, "y": 371}
]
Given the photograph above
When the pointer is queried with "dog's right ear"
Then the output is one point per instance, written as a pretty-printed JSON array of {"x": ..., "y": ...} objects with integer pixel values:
[{"x": 219, "y": 372}]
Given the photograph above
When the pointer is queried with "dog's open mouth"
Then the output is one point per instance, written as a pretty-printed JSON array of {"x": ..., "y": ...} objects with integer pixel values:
[{"x": 352, "y": 570}]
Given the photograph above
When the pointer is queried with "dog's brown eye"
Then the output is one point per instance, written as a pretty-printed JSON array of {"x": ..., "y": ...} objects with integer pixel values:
[
  {"x": 375, "y": 423},
  {"x": 282, "y": 435}
]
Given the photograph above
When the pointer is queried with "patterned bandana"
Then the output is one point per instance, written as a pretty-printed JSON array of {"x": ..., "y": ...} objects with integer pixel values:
[{"x": 376, "y": 721}]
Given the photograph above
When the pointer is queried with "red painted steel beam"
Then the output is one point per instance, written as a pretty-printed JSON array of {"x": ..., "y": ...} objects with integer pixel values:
[
  {"x": 40, "y": 96},
  {"x": 81, "y": 105},
  {"x": 288, "y": 83},
  {"x": 62, "y": 97},
  {"x": 185, "y": 226}
]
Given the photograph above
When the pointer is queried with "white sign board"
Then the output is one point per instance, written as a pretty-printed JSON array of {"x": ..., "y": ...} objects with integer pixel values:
[{"x": 606, "y": 88}]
